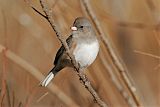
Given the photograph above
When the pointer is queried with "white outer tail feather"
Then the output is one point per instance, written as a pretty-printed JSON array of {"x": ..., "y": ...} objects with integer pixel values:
[{"x": 47, "y": 80}]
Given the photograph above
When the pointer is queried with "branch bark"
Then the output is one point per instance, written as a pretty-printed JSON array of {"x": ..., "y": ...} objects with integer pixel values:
[{"x": 82, "y": 76}]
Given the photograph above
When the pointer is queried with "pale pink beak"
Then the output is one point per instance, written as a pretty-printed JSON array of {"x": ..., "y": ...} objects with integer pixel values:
[{"x": 73, "y": 28}]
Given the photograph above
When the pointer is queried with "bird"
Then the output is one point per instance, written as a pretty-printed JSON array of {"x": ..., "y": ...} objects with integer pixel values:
[{"x": 82, "y": 43}]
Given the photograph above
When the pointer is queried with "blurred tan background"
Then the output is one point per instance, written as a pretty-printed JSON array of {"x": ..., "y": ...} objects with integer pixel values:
[{"x": 131, "y": 26}]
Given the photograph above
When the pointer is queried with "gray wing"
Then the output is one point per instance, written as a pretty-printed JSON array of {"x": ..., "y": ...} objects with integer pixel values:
[{"x": 62, "y": 49}]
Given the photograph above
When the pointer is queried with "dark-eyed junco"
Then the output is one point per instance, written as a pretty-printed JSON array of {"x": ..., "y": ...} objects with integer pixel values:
[{"x": 82, "y": 43}]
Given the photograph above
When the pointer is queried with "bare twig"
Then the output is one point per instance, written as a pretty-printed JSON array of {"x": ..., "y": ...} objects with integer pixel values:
[
  {"x": 2, "y": 99},
  {"x": 82, "y": 76},
  {"x": 115, "y": 58},
  {"x": 4, "y": 61},
  {"x": 137, "y": 25},
  {"x": 147, "y": 54},
  {"x": 38, "y": 12},
  {"x": 13, "y": 99},
  {"x": 8, "y": 96},
  {"x": 40, "y": 98},
  {"x": 36, "y": 73},
  {"x": 28, "y": 2},
  {"x": 152, "y": 7}
]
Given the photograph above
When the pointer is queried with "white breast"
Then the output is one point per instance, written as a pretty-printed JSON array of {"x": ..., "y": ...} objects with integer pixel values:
[{"x": 85, "y": 54}]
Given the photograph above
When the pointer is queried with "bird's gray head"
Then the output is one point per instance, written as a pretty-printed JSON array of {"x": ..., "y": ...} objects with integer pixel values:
[
  {"x": 82, "y": 29},
  {"x": 82, "y": 24}
]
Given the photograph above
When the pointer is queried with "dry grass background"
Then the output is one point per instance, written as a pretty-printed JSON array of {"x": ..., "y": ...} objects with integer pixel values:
[{"x": 131, "y": 25}]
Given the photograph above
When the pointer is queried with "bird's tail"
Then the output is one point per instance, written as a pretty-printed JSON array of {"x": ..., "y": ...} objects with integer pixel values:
[{"x": 48, "y": 78}]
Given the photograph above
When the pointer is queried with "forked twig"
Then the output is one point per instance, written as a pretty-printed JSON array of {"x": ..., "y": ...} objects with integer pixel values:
[
  {"x": 82, "y": 76},
  {"x": 38, "y": 12},
  {"x": 27, "y": 1}
]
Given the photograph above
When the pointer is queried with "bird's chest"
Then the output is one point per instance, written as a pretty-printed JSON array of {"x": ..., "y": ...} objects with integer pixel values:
[{"x": 85, "y": 54}]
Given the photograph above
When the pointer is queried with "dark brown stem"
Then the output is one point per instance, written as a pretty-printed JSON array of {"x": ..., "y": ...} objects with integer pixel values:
[{"x": 38, "y": 12}]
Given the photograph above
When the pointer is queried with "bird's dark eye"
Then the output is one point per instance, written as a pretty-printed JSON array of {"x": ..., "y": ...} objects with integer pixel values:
[{"x": 81, "y": 26}]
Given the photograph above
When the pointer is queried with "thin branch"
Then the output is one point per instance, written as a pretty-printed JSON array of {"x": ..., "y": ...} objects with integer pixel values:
[
  {"x": 147, "y": 54},
  {"x": 4, "y": 61},
  {"x": 82, "y": 76},
  {"x": 38, "y": 12},
  {"x": 137, "y": 25},
  {"x": 115, "y": 58},
  {"x": 37, "y": 74},
  {"x": 2, "y": 99},
  {"x": 13, "y": 99},
  {"x": 28, "y": 2},
  {"x": 8, "y": 96},
  {"x": 40, "y": 98}
]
